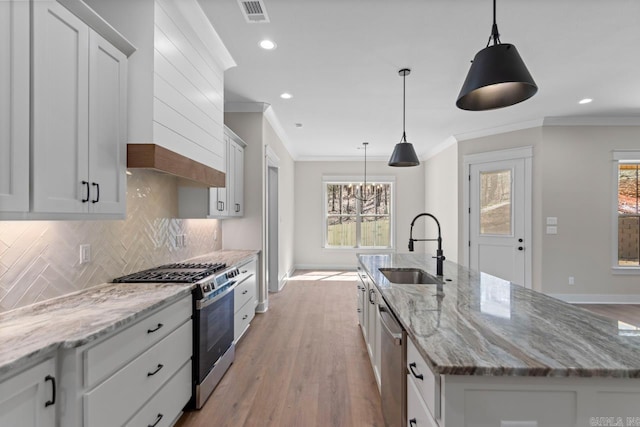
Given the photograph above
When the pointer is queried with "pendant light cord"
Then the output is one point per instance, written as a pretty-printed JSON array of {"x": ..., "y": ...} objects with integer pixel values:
[
  {"x": 404, "y": 103},
  {"x": 495, "y": 35}
]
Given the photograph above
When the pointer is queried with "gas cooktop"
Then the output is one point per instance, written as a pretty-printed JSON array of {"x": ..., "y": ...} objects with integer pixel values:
[{"x": 174, "y": 273}]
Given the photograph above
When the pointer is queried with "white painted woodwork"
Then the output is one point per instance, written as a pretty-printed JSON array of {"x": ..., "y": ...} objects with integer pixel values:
[
  {"x": 168, "y": 402},
  {"x": 103, "y": 359},
  {"x": 428, "y": 386},
  {"x": 107, "y": 126},
  {"x": 118, "y": 398},
  {"x": 60, "y": 109},
  {"x": 417, "y": 413},
  {"x": 237, "y": 208},
  {"x": 370, "y": 324},
  {"x": 188, "y": 88},
  {"x": 23, "y": 397},
  {"x": 14, "y": 106},
  {"x": 79, "y": 117},
  {"x": 245, "y": 299}
]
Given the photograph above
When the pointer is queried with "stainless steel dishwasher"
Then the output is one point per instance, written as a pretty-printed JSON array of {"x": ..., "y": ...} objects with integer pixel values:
[{"x": 393, "y": 377}]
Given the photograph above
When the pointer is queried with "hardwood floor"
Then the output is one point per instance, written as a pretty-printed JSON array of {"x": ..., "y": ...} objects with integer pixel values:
[
  {"x": 628, "y": 313},
  {"x": 303, "y": 363}
]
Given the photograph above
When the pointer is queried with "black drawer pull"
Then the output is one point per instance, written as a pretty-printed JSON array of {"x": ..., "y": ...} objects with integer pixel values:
[
  {"x": 86, "y": 199},
  {"x": 245, "y": 292},
  {"x": 160, "y": 366},
  {"x": 158, "y": 418},
  {"x": 97, "y": 199},
  {"x": 150, "y": 331},
  {"x": 53, "y": 388},
  {"x": 413, "y": 422},
  {"x": 245, "y": 317},
  {"x": 418, "y": 376}
]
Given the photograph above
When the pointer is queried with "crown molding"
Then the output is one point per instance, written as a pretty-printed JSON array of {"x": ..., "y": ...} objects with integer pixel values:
[
  {"x": 591, "y": 121},
  {"x": 498, "y": 130},
  {"x": 246, "y": 107},
  {"x": 341, "y": 159},
  {"x": 438, "y": 148}
]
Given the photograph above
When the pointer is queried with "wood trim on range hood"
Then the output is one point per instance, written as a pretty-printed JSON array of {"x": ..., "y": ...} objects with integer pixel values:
[{"x": 152, "y": 156}]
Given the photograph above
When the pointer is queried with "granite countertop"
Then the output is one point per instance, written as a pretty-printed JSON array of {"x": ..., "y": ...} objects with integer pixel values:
[
  {"x": 32, "y": 332},
  {"x": 477, "y": 324},
  {"x": 35, "y": 331}
]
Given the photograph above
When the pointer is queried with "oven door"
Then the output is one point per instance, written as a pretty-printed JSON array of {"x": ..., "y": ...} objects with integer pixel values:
[{"x": 214, "y": 320}]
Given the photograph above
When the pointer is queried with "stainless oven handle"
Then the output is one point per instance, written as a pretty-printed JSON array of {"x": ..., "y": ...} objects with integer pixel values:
[{"x": 200, "y": 305}]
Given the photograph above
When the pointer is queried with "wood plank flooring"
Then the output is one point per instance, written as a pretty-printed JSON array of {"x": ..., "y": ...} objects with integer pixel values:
[
  {"x": 628, "y": 313},
  {"x": 303, "y": 363}
]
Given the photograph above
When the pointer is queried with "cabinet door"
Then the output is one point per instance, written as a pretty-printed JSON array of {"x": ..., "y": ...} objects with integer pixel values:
[
  {"x": 14, "y": 106},
  {"x": 231, "y": 178},
  {"x": 107, "y": 126},
  {"x": 238, "y": 188},
  {"x": 60, "y": 110},
  {"x": 24, "y": 398}
]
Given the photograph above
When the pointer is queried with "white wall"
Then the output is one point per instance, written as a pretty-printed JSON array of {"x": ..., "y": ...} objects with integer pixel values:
[
  {"x": 441, "y": 198},
  {"x": 572, "y": 180},
  {"x": 309, "y": 210}
]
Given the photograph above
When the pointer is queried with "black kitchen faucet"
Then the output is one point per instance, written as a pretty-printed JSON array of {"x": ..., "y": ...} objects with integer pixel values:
[{"x": 439, "y": 255}]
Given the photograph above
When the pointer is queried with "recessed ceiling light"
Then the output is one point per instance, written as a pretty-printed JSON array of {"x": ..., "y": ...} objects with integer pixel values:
[
  {"x": 286, "y": 96},
  {"x": 585, "y": 101},
  {"x": 267, "y": 45}
]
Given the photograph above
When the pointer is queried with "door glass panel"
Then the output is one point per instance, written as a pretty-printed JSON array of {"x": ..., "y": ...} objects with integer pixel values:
[{"x": 495, "y": 202}]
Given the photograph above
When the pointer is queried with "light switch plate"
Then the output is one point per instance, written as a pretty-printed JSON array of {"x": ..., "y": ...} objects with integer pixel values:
[
  {"x": 85, "y": 253},
  {"x": 552, "y": 220},
  {"x": 552, "y": 229}
]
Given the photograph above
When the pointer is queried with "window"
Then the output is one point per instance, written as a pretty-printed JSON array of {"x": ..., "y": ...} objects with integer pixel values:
[
  {"x": 354, "y": 223},
  {"x": 627, "y": 215}
]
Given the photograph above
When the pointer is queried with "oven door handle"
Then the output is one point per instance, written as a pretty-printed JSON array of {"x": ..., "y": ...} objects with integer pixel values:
[{"x": 203, "y": 304}]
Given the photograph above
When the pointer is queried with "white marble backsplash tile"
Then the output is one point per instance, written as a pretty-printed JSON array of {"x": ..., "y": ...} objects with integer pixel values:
[{"x": 40, "y": 259}]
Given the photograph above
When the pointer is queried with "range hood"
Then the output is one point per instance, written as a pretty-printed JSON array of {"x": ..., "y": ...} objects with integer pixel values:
[{"x": 152, "y": 156}]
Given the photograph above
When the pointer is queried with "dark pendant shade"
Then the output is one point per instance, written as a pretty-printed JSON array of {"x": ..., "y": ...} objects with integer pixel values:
[
  {"x": 497, "y": 78},
  {"x": 404, "y": 155}
]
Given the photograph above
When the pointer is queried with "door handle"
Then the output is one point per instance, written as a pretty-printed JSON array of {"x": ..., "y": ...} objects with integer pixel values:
[
  {"x": 150, "y": 331},
  {"x": 53, "y": 388},
  {"x": 413, "y": 422},
  {"x": 97, "y": 199},
  {"x": 160, "y": 366},
  {"x": 86, "y": 184},
  {"x": 418, "y": 376},
  {"x": 521, "y": 248},
  {"x": 158, "y": 418}
]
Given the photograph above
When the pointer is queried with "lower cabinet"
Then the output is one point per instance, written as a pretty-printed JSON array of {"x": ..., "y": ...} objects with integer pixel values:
[
  {"x": 138, "y": 376},
  {"x": 370, "y": 321},
  {"x": 245, "y": 299},
  {"x": 417, "y": 413},
  {"x": 28, "y": 399}
]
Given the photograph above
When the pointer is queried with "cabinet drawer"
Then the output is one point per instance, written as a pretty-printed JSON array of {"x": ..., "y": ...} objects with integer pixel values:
[
  {"x": 417, "y": 413},
  {"x": 110, "y": 355},
  {"x": 244, "y": 292},
  {"x": 427, "y": 384},
  {"x": 120, "y": 396},
  {"x": 165, "y": 406},
  {"x": 242, "y": 319}
]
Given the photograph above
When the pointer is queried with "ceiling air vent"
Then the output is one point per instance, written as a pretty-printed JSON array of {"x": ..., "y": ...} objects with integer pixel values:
[{"x": 254, "y": 11}]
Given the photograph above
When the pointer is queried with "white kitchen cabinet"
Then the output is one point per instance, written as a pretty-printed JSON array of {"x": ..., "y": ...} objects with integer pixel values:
[
  {"x": 223, "y": 202},
  {"x": 132, "y": 375},
  {"x": 14, "y": 106},
  {"x": 371, "y": 328},
  {"x": 245, "y": 298},
  {"x": 28, "y": 399},
  {"x": 79, "y": 116},
  {"x": 417, "y": 413}
]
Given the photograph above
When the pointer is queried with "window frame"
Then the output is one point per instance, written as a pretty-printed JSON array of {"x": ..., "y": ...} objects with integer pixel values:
[
  {"x": 330, "y": 179},
  {"x": 620, "y": 156}
]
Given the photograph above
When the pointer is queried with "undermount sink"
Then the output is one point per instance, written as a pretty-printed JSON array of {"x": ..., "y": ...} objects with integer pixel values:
[{"x": 414, "y": 276}]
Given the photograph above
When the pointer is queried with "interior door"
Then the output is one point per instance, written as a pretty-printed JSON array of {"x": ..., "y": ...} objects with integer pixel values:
[{"x": 498, "y": 219}]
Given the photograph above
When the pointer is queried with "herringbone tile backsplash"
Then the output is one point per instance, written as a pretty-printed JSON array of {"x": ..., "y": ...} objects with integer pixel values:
[{"x": 40, "y": 259}]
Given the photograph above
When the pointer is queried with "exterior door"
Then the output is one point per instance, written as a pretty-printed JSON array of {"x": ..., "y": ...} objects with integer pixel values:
[{"x": 500, "y": 219}]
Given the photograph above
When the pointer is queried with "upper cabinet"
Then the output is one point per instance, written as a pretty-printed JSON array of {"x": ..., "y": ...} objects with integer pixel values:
[
  {"x": 79, "y": 116},
  {"x": 14, "y": 106},
  {"x": 223, "y": 202},
  {"x": 77, "y": 144}
]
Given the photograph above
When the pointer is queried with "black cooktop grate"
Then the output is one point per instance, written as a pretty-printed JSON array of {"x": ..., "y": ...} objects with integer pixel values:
[{"x": 173, "y": 273}]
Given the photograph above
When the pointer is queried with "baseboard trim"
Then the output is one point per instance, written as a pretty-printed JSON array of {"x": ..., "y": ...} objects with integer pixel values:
[
  {"x": 598, "y": 298},
  {"x": 262, "y": 307},
  {"x": 322, "y": 267}
]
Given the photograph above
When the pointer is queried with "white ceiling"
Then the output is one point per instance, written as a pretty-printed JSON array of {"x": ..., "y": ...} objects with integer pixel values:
[{"x": 340, "y": 60}]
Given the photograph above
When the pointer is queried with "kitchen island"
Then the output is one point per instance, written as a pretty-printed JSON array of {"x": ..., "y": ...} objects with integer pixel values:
[{"x": 503, "y": 355}]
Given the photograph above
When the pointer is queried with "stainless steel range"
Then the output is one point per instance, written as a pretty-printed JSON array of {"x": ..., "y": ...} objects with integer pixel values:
[{"x": 213, "y": 350}]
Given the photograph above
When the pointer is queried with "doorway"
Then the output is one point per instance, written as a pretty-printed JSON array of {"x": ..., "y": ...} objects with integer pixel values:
[
  {"x": 272, "y": 221},
  {"x": 498, "y": 201}
]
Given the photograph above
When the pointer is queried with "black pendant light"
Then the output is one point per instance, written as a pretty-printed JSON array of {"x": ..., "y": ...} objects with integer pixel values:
[
  {"x": 497, "y": 78},
  {"x": 403, "y": 154}
]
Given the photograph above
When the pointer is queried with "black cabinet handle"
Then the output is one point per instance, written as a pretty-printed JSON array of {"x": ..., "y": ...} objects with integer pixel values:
[
  {"x": 520, "y": 248},
  {"x": 245, "y": 317},
  {"x": 160, "y": 366},
  {"x": 158, "y": 418},
  {"x": 413, "y": 422},
  {"x": 53, "y": 388},
  {"x": 86, "y": 199},
  {"x": 371, "y": 291},
  {"x": 245, "y": 292},
  {"x": 237, "y": 207},
  {"x": 150, "y": 331},
  {"x": 97, "y": 199},
  {"x": 418, "y": 376}
]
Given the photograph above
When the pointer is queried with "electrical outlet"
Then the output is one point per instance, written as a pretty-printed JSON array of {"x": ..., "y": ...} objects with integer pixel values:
[
  {"x": 572, "y": 280},
  {"x": 183, "y": 240},
  {"x": 85, "y": 253}
]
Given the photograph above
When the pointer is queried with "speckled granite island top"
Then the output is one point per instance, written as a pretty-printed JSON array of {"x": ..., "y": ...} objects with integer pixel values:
[{"x": 481, "y": 325}]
